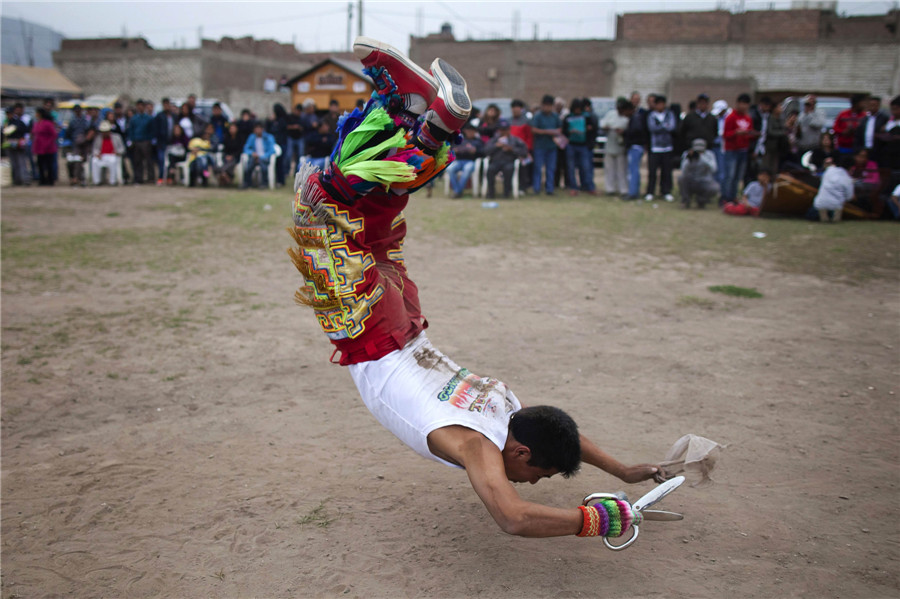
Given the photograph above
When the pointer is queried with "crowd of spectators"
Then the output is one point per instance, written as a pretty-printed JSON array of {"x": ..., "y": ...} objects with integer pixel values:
[
  {"x": 148, "y": 145},
  {"x": 719, "y": 148}
]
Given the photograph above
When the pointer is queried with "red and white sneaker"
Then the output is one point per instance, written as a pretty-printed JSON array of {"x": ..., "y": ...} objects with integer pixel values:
[
  {"x": 417, "y": 88},
  {"x": 451, "y": 109}
]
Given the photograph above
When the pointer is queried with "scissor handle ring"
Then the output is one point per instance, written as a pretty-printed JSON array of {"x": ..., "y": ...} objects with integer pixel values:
[{"x": 624, "y": 545}]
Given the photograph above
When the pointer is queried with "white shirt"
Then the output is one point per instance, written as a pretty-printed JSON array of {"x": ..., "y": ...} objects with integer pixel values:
[
  {"x": 869, "y": 140},
  {"x": 836, "y": 188},
  {"x": 417, "y": 389}
]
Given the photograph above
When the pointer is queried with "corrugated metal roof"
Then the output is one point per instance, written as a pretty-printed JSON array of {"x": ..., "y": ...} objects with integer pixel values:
[{"x": 18, "y": 81}]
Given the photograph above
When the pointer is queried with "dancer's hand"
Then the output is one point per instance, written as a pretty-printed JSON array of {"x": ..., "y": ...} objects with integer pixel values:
[{"x": 642, "y": 472}]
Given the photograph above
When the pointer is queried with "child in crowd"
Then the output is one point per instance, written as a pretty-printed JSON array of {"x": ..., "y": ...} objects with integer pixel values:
[
  {"x": 836, "y": 189},
  {"x": 752, "y": 199}
]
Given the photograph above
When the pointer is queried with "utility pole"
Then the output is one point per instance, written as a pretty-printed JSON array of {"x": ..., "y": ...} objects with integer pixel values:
[
  {"x": 359, "y": 28},
  {"x": 349, "y": 24}
]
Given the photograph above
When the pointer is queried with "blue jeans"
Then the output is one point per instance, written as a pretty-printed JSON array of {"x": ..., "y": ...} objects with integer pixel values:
[
  {"x": 161, "y": 160},
  {"x": 720, "y": 166},
  {"x": 544, "y": 159},
  {"x": 459, "y": 172},
  {"x": 735, "y": 166},
  {"x": 635, "y": 153},
  {"x": 293, "y": 150},
  {"x": 580, "y": 157}
]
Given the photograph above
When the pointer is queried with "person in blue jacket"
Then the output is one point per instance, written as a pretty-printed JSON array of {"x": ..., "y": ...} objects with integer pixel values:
[{"x": 260, "y": 147}]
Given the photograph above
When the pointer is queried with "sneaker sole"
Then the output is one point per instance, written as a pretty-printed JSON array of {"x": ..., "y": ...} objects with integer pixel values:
[
  {"x": 453, "y": 88},
  {"x": 372, "y": 45}
]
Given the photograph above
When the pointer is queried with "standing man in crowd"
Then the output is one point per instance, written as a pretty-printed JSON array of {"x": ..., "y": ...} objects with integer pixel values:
[
  {"x": 700, "y": 123},
  {"x": 76, "y": 132},
  {"x": 809, "y": 125},
  {"x": 847, "y": 122},
  {"x": 15, "y": 132},
  {"x": 720, "y": 111},
  {"x": 546, "y": 125},
  {"x": 615, "y": 158},
  {"x": 737, "y": 135},
  {"x": 873, "y": 122},
  {"x": 139, "y": 134},
  {"x": 520, "y": 126},
  {"x": 162, "y": 132},
  {"x": 635, "y": 139},
  {"x": 661, "y": 125},
  {"x": 294, "y": 149}
]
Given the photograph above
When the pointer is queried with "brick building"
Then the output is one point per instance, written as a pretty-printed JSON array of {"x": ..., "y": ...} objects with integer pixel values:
[{"x": 784, "y": 52}]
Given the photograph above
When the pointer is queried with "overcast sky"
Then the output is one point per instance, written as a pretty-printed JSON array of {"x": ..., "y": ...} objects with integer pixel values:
[{"x": 322, "y": 25}]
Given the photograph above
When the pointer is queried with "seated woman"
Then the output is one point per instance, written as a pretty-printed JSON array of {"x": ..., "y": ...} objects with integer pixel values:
[
  {"x": 320, "y": 144},
  {"x": 176, "y": 151},
  {"x": 866, "y": 180},
  {"x": 200, "y": 159},
  {"x": 231, "y": 154},
  {"x": 825, "y": 150}
]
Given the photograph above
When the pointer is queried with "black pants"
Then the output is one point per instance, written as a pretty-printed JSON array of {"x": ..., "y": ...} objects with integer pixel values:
[
  {"x": 507, "y": 169},
  {"x": 659, "y": 161},
  {"x": 142, "y": 161},
  {"x": 45, "y": 168}
]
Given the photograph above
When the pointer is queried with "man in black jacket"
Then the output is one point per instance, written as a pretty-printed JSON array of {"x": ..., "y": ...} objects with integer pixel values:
[
  {"x": 700, "y": 123},
  {"x": 162, "y": 133},
  {"x": 635, "y": 138}
]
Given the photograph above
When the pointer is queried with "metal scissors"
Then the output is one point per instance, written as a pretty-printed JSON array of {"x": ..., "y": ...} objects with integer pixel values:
[{"x": 641, "y": 506}]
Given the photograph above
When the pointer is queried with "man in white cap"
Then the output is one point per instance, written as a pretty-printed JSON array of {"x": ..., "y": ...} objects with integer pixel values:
[
  {"x": 698, "y": 170},
  {"x": 107, "y": 150},
  {"x": 720, "y": 111}
]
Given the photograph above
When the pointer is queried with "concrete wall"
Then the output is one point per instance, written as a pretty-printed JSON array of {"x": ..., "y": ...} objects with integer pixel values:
[
  {"x": 823, "y": 68},
  {"x": 259, "y": 102}
]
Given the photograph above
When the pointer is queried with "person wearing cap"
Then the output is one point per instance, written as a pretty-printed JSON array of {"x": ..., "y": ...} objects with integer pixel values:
[
  {"x": 810, "y": 124},
  {"x": 700, "y": 123},
  {"x": 108, "y": 148},
  {"x": 503, "y": 150},
  {"x": 719, "y": 110},
  {"x": 698, "y": 170},
  {"x": 139, "y": 132}
]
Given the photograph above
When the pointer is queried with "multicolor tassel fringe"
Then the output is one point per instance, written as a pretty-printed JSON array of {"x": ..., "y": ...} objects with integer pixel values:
[{"x": 608, "y": 518}]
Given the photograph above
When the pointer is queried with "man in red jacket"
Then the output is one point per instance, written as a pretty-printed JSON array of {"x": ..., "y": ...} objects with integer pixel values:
[
  {"x": 737, "y": 135},
  {"x": 848, "y": 121}
]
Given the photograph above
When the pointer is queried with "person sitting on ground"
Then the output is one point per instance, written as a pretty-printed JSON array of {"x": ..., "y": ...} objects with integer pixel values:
[
  {"x": 320, "y": 144},
  {"x": 108, "y": 149},
  {"x": 470, "y": 149},
  {"x": 442, "y": 411},
  {"x": 232, "y": 148},
  {"x": 698, "y": 175},
  {"x": 753, "y": 196},
  {"x": 894, "y": 203},
  {"x": 503, "y": 150},
  {"x": 259, "y": 149},
  {"x": 835, "y": 190}
]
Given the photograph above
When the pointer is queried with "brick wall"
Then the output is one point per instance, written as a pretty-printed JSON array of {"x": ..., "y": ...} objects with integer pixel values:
[
  {"x": 676, "y": 26},
  {"x": 524, "y": 69}
]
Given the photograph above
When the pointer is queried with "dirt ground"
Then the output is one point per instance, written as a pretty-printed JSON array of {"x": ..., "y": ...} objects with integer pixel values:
[{"x": 171, "y": 426}]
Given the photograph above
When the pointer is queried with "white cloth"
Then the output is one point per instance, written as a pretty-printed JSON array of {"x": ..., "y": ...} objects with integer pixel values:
[
  {"x": 611, "y": 121},
  {"x": 615, "y": 168},
  {"x": 108, "y": 161},
  {"x": 417, "y": 389},
  {"x": 869, "y": 140},
  {"x": 695, "y": 456},
  {"x": 187, "y": 126},
  {"x": 835, "y": 189}
]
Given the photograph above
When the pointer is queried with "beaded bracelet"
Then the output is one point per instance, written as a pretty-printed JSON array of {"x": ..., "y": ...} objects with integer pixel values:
[{"x": 607, "y": 518}]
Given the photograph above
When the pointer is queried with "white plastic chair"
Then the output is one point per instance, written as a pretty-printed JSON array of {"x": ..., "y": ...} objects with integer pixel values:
[
  {"x": 515, "y": 182},
  {"x": 89, "y": 171},
  {"x": 475, "y": 179},
  {"x": 806, "y": 161},
  {"x": 270, "y": 168}
]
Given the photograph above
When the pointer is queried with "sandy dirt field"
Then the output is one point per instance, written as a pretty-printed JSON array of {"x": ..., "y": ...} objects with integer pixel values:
[{"x": 171, "y": 426}]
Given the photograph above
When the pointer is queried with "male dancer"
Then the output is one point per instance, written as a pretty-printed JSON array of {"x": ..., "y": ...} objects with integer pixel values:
[{"x": 349, "y": 230}]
